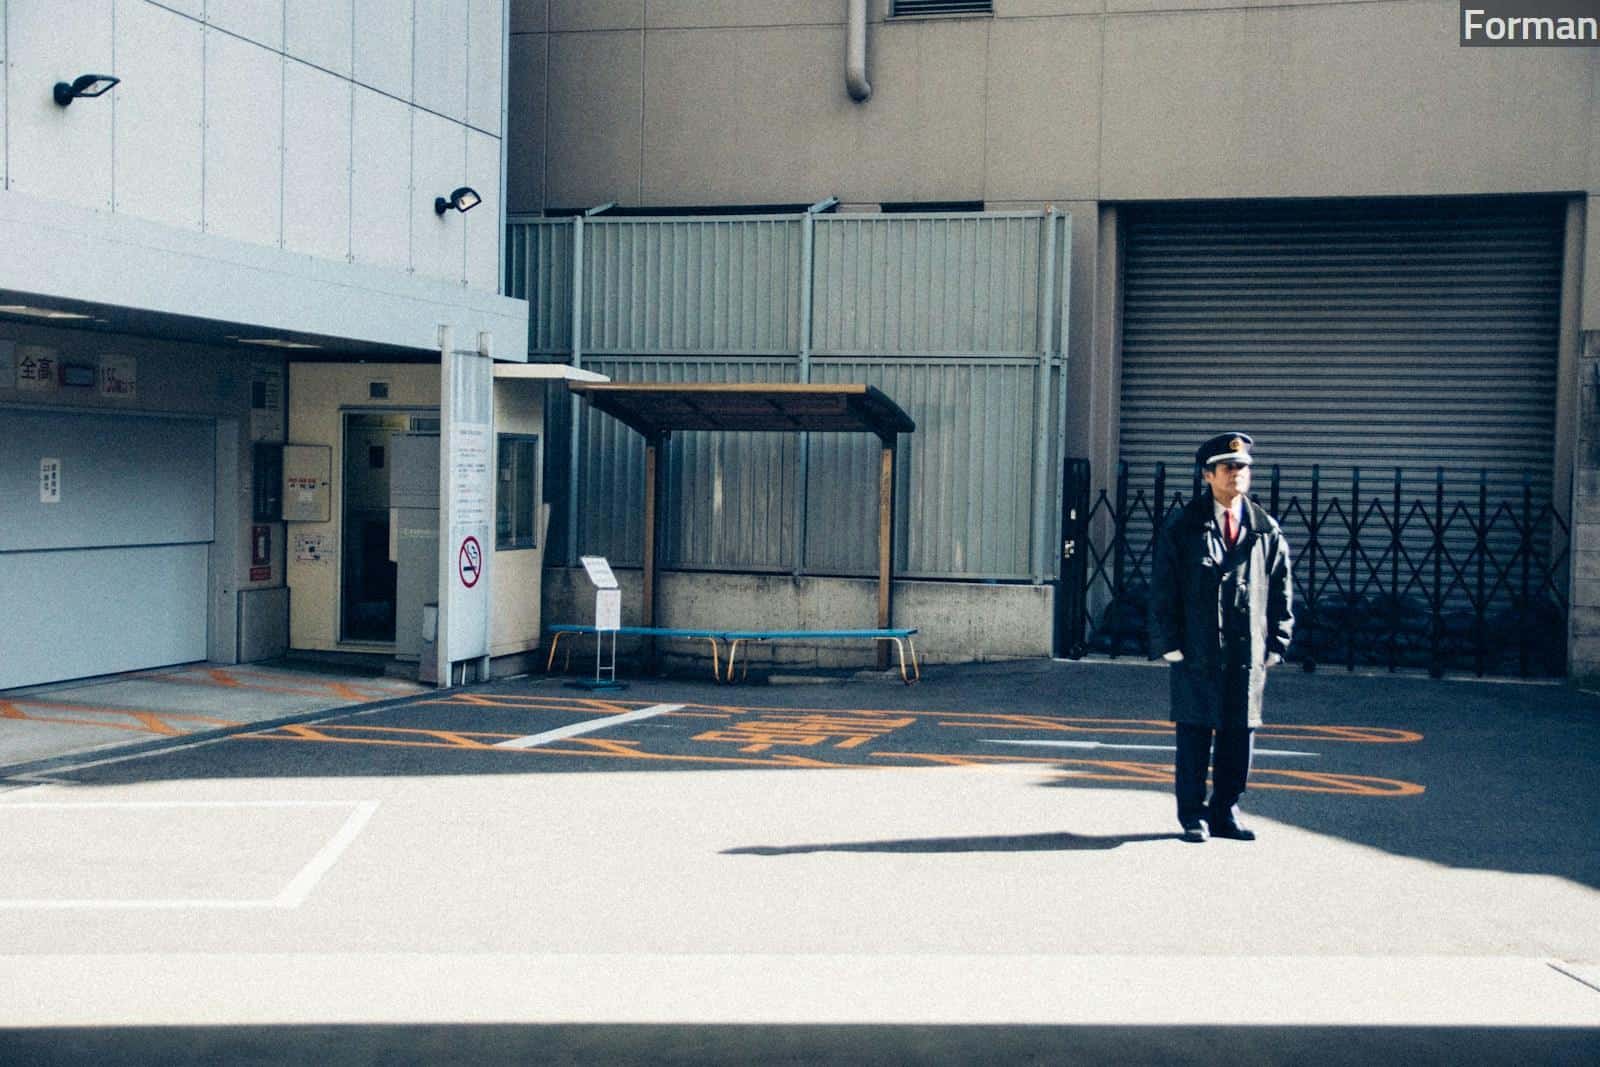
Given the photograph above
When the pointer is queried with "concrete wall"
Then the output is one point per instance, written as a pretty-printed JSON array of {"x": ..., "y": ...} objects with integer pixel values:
[
  {"x": 323, "y": 127},
  {"x": 958, "y": 623},
  {"x": 682, "y": 103}
]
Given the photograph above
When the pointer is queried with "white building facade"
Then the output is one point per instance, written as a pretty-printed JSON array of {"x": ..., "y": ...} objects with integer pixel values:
[{"x": 266, "y": 180}]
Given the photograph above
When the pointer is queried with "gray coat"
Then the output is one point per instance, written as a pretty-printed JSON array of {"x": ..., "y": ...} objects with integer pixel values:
[{"x": 1198, "y": 587}]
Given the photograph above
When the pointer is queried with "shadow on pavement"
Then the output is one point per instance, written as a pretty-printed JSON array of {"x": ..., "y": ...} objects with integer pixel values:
[
  {"x": 1061, "y": 842},
  {"x": 336, "y": 1046}
]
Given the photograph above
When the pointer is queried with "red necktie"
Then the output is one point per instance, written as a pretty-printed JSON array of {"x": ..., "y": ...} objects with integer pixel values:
[{"x": 1230, "y": 528}]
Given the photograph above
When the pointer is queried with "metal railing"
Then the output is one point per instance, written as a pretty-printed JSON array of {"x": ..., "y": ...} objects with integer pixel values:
[{"x": 1465, "y": 572}]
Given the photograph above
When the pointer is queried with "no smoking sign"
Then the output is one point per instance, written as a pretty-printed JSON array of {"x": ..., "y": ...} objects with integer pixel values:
[{"x": 469, "y": 562}]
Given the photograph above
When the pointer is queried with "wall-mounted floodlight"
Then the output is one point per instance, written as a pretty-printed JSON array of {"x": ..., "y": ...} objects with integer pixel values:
[
  {"x": 84, "y": 85},
  {"x": 463, "y": 199}
]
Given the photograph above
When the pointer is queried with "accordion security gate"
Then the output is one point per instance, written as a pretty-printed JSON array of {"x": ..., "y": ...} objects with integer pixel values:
[{"x": 1392, "y": 569}]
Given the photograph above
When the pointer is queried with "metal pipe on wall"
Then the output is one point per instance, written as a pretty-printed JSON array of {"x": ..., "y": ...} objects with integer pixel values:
[{"x": 855, "y": 54}]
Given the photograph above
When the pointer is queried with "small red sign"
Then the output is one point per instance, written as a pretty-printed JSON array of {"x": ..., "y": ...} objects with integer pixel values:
[
  {"x": 469, "y": 562},
  {"x": 261, "y": 574}
]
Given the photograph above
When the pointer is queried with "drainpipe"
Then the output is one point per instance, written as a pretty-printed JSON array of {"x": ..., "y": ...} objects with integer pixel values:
[{"x": 855, "y": 53}]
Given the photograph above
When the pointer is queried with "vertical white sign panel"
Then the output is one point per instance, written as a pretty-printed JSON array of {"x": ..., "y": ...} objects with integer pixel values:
[{"x": 467, "y": 470}]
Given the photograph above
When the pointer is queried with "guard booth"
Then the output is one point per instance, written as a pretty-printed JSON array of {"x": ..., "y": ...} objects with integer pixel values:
[{"x": 373, "y": 553}]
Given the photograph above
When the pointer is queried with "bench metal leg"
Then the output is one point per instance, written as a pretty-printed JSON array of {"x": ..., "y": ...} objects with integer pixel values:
[
  {"x": 715, "y": 668},
  {"x": 555, "y": 642},
  {"x": 916, "y": 671}
]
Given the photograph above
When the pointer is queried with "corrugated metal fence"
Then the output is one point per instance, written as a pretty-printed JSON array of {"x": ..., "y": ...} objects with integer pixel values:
[{"x": 956, "y": 317}]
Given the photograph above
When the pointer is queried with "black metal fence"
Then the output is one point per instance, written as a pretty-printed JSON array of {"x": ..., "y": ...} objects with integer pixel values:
[{"x": 1465, "y": 573}]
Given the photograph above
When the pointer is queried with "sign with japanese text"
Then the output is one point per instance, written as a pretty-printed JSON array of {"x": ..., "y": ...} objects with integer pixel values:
[
  {"x": 50, "y": 481},
  {"x": 119, "y": 377},
  {"x": 36, "y": 368}
]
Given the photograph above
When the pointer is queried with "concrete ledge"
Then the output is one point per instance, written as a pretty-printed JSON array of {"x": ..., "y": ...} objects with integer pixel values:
[{"x": 960, "y": 622}]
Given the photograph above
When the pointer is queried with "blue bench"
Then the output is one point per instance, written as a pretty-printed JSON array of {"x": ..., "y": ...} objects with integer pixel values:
[{"x": 902, "y": 639}]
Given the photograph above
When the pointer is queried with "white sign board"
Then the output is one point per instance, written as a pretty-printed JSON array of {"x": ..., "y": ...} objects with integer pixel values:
[
  {"x": 599, "y": 569},
  {"x": 266, "y": 402},
  {"x": 36, "y": 368},
  {"x": 119, "y": 376},
  {"x": 469, "y": 450},
  {"x": 50, "y": 481},
  {"x": 608, "y": 609}
]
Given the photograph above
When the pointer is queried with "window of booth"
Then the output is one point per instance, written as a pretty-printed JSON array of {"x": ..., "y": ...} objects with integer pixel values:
[{"x": 516, "y": 501}]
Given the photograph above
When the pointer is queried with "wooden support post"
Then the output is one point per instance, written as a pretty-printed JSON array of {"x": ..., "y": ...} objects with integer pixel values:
[
  {"x": 652, "y": 452},
  {"x": 886, "y": 547}
]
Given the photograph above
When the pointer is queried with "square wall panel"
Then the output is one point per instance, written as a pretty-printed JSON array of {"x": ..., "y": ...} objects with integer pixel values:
[
  {"x": 483, "y": 221},
  {"x": 320, "y": 32},
  {"x": 485, "y": 58},
  {"x": 259, "y": 21},
  {"x": 316, "y": 162},
  {"x": 525, "y": 125},
  {"x": 380, "y": 181},
  {"x": 59, "y": 153},
  {"x": 244, "y": 140},
  {"x": 160, "y": 139},
  {"x": 440, "y": 72},
  {"x": 3, "y": 78},
  {"x": 383, "y": 46},
  {"x": 439, "y": 164}
]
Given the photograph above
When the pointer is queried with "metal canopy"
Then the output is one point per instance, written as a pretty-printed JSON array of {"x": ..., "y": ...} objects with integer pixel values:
[{"x": 656, "y": 409}]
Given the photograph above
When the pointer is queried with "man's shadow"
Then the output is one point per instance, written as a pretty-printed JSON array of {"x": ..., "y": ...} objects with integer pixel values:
[{"x": 1057, "y": 842}]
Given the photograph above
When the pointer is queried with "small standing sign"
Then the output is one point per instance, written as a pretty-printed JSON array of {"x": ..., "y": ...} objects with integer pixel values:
[{"x": 607, "y": 619}]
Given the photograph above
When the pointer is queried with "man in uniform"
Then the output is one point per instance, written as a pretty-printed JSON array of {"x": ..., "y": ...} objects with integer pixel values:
[{"x": 1220, "y": 614}]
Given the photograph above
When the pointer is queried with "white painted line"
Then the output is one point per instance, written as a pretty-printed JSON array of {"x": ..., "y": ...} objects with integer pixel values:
[
  {"x": 1149, "y": 748},
  {"x": 296, "y": 892},
  {"x": 69, "y": 805},
  {"x": 535, "y": 740},
  {"x": 292, "y": 895}
]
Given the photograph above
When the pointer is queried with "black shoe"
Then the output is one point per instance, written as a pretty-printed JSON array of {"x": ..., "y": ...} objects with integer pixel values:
[
  {"x": 1195, "y": 833},
  {"x": 1232, "y": 831}
]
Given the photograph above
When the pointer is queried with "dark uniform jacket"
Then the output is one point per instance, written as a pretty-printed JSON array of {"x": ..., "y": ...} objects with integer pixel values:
[{"x": 1226, "y": 609}]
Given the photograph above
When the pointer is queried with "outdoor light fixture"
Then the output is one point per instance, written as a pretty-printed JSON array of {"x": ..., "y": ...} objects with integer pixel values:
[
  {"x": 463, "y": 199},
  {"x": 84, "y": 85}
]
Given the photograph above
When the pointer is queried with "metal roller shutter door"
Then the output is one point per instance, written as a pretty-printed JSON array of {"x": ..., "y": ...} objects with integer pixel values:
[
  {"x": 1375, "y": 335},
  {"x": 110, "y": 574}
]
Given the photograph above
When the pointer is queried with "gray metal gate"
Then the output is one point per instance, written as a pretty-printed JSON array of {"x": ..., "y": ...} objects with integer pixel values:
[
  {"x": 958, "y": 317},
  {"x": 1411, "y": 334}
]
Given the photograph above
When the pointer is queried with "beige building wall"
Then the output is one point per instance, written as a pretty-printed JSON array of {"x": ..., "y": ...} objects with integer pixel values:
[
  {"x": 319, "y": 394},
  {"x": 695, "y": 102}
]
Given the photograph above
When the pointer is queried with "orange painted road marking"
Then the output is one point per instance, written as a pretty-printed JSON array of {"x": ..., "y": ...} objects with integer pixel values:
[
  {"x": 956, "y": 719},
  {"x": 1161, "y": 774},
  {"x": 810, "y": 729},
  {"x": 134, "y": 720},
  {"x": 583, "y": 747},
  {"x": 1280, "y": 732}
]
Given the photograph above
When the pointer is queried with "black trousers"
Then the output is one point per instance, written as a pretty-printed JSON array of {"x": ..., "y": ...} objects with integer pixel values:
[{"x": 1230, "y": 767}]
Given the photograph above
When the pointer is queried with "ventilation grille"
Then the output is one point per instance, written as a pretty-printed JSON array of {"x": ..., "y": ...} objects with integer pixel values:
[{"x": 907, "y": 8}]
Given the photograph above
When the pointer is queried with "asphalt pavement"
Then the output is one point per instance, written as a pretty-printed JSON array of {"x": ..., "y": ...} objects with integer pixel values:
[{"x": 982, "y": 866}]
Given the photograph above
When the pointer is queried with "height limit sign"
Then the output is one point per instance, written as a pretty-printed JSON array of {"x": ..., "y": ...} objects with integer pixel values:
[{"x": 469, "y": 562}]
